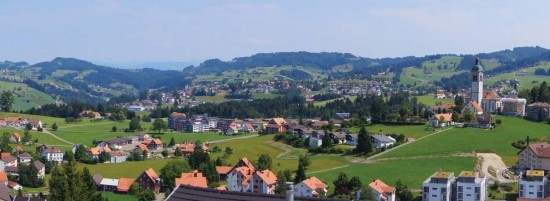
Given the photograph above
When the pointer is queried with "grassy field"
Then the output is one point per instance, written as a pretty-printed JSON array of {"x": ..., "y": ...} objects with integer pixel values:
[
  {"x": 47, "y": 121},
  {"x": 25, "y": 96},
  {"x": 408, "y": 131},
  {"x": 218, "y": 98},
  {"x": 193, "y": 137},
  {"x": 85, "y": 133},
  {"x": 283, "y": 156},
  {"x": 416, "y": 75},
  {"x": 323, "y": 103},
  {"x": 411, "y": 171},
  {"x": 431, "y": 101},
  {"x": 264, "y": 96},
  {"x": 526, "y": 82},
  {"x": 42, "y": 139},
  {"x": 118, "y": 197},
  {"x": 130, "y": 169},
  {"x": 258, "y": 74},
  {"x": 467, "y": 140}
]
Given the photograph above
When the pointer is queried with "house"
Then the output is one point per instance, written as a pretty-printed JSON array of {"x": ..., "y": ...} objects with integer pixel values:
[
  {"x": 276, "y": 125},
  {"x": 312, "y": 187},
  {"x": 18, "y": 149},
  {"x": 142, "y": 136},
  {"x": 538, "y": 111},
  {"x": 153, "y": 144},
  {"x": 52, "y": 154},
  {"x": 197, "y": 126},
  {"x": 231, "y": 131},
  {"x": 351, "y": 139},
  {"x": 11, "y": 170},
  {"x": 89, "y": 114},
  {"x": 8, "y": 162},
  {"x": 174, "y": 117},
  {"x": 94, "y": 152},
  {"x": 226, "y": 125},
  {"x": 381, "y": 191},
  {"x": 316, "y": 139},
  {"x": 535, "y": 156},
  {"x": 318, "y": 124},
  {"x": 263, "y": 182},
  {"x": 471, "y": 186},
  {"x": 223, "y": 171},
  {"x": 136, "y": 108},
  {"x": 248, "y": 127},
  {"x": 116, "y": 143},
  {"x": 15, "y": 137},
  {"x": 533, "y": 184},
  {"x": 380, "y": 141},
  {"x": 5, "y": 191},
  {"x": 35, "y": 124},
  {"x": 149, "y": 180},
  {"x": 441, "y": 120},
  {"x": 239, "y": 179},
  {"x": 194, "y": 178},
  {"x": 41, "y": 168},
  {"x": 24, "y": 158},
  {"x": 108, "y": 184},
  {"x": 124, "y": 184},
  {"x": 338, "y": 137},
  {"x": 483, "y": 121},
  {"x": 438, "y": 187},
  {"x": 118, "y": 156},
  {"x": 14, "y": 186},
  {"x": 5, "y": 155},
  {"x": 187, "y": 147},
  {"x": 474, "y": 107},
  {"x": 140, "y": 149}
]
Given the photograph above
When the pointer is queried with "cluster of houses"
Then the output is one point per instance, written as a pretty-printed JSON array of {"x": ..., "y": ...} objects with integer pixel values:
[
  {"x": 20, "y": 122},
  {"x": 147, "y": 180},
  {"x": 204, "y": 123},
  {"x": 9, "y": 166}
]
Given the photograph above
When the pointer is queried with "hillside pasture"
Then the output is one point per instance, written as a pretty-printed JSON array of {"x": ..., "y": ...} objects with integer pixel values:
[
  {"x": 88, "y": 132},
  {"x": 429, "y": 100},
  {"x": 25, "y": 96},
  {"x": 525, "y": 82}
]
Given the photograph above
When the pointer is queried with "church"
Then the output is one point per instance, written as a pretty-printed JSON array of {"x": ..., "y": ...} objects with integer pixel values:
[{"x": 485, "y": 100}]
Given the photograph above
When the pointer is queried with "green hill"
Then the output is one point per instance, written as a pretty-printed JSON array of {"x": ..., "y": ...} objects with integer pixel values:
[{"x": 25, "y": 96}]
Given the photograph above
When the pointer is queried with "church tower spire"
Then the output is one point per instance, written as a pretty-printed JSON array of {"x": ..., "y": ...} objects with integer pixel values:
[{"x": 477, "y": 82}]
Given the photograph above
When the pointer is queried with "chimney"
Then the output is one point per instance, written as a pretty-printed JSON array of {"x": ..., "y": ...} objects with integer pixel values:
[{"x": 289, "y": 191}]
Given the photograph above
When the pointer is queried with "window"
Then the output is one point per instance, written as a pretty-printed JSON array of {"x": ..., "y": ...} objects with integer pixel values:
[
  {"x": 477, "y": 189},
  {"x": 460, "y": 189},
  {"x": 434, "y": 195}
]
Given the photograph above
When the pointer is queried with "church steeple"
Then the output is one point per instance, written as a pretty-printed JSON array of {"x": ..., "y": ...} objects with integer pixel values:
[{"x": 477, "y": 82}]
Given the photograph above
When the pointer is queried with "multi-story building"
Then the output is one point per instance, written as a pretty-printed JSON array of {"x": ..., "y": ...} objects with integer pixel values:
[
  {"x": 438, "y": 187},
  {"x": 535, "y": 156},
  {"x": 513, "y": 106},
  {"x": 538, "y": 111},
  {"x": 197, "y": 126},
  {"x": 174, "y": 117},
  {"x": 470, "y": 186},
  {"x": 533, "y": 184},
  {"x": 263, "y": 182}
]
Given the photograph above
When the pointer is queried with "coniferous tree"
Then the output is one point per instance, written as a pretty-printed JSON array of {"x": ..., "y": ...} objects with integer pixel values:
[
  {"x": 364, "y": 143},
  {"x": 304, "y": 160},
  {"x": 54, "y": 126},
  {"x": 280, "y": 189},
  {"x": 58, "y": 184},
  {"x": 300, "y": 174},
  {"x": 27, "y": 137},
  {"x": 177, "y": 152},
  {"x": 341, "y": 184},
  {"x": 172, "y": 142}
]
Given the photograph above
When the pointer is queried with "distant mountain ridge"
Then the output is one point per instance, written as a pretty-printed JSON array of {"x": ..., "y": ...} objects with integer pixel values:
[{"x": 78, "y": 80}]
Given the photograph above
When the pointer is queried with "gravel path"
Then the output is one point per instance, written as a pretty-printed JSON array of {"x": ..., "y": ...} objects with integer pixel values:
[{"x": 491, "y": 159}]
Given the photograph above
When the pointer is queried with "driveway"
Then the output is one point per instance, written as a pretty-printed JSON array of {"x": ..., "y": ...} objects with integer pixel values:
[{"x": 492, "y": 159}]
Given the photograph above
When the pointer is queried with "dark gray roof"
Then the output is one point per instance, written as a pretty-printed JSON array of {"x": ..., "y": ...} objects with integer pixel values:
[
  {"x": 4, "y": 192},
  {"x": 39, "y": 165},
  {"x": 191, "y": 193},
  {"x": 383, "y": 138}
]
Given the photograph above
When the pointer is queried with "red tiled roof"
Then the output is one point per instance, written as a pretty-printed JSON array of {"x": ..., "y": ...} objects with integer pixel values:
[
  {"x": 279, "y": 121},
  {"x": 314, "y": 183},
  {"x": 194, "y": 178},
  {"x": 381, "y": 187},
  {"x": 447, "y": 117},
  {"x": 152, "y": 174},
  {"x": 223, "y": 169},
  {"x": 143, "y": 147},
  {"x": 3, "y": 177},
  {"x": 476, "y": 106},
  {"x": 16, "y": 134},
  {"x": 490, "y": 94},
  {"x": 541, "y": 149},
  {"x": 268, "y": 176},
  {"x": 5, "y": 155},
  {"x": 124, "y": 184}
]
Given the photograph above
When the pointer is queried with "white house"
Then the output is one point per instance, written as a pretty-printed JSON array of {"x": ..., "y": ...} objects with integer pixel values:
[
  {"x": 381, "y": 191},
  {"x": 263, "y": 182},
  {"x": 25, "y": 158},
  {"x": 312, "y": 187},
  {"x": 382, "y": 141},
  {"x": 438, "y": 187},
  {"x": 239, "y": 179},
  {"x": 316, "y": 139},
  {"x": 532, "y": 185},
  {"x": 118, "y": 156},
  {"x": 471, "y": 186},
  {"x": 52, "y": 154},
  {"x": 8, "y": 162},
  {"x": 136, "y": 108},
  {"x": 441, "y": 120},
  {"x": 197, "y": 126}
]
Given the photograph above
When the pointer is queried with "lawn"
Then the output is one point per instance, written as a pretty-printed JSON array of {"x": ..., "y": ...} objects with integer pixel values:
[
  {"x": 264, "y": 96},
  {"x": 407, "y": 130},
  {"x": 130, "y": 169},
  {"x": 86, "y": 133},
  {"x": 411, "y": 171},
  {"x": 323, "y": 103},
  {"x": 118, "y": 197},
  {"x": 526, "y": 82},
  {"x": 45, "y": 119},
  {"x": 253, "y": 147},
  {"x": 467, "y": 140},
  {"x": 431, "y": 101},
  {"x": 218, "y": 98},
  {"x": 42, "y": 139},
  {"x": 193, "y": 137}
]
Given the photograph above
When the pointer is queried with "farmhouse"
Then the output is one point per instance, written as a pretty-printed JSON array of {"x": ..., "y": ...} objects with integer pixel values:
[
  {"x": 535, "y": 156},
  {"x": 149, "y": 180},
  {"x": 124, "y": 185},
  {"x": 276, "y": 125},
  {"x": 15, "y": 137},
  {"x": 153, "y": 144},
  {"x": 51, "y": 153},
  {"x": 312, "y": 187},
  {"x": 94, "y": 152},
  {"x": 187, "y": 148}
]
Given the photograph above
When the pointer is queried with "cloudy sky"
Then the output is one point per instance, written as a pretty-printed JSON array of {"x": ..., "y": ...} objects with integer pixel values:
[{"x": 141, "y": 31}]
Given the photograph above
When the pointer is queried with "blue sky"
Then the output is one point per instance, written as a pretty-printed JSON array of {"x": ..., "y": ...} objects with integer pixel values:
[{"x": 141, "y": 31}]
